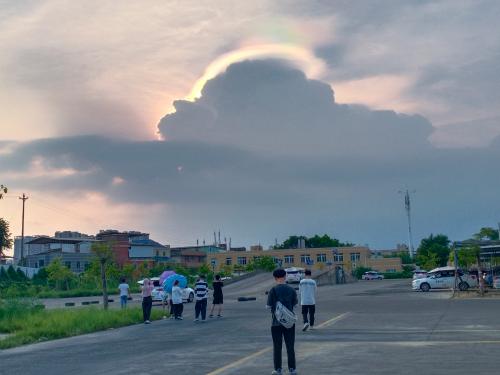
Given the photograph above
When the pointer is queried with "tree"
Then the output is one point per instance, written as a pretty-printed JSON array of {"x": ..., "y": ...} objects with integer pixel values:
[
  {"x": 59, "y": 274},
  {"x": 313, "y": 242},
  {"x": 104, "y": 255},
  {"x": 467, "y": 256},
  {"x": 265, "y": 263},
  {"x": 3, "y": 190},
  {"x": 433, "y": 250},
  {"x": 5, "y": 236},
  {"x": 488, "y": 233}
]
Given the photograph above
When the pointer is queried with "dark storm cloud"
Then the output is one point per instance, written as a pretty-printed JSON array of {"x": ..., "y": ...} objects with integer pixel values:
[{"x": 266, "y": 150}]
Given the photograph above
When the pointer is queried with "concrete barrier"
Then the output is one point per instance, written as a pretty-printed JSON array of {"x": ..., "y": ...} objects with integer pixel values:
[{"x": 244, "y": 299}]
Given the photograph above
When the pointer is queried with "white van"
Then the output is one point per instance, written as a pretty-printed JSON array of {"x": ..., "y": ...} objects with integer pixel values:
[{"x": 294, "y": 275}]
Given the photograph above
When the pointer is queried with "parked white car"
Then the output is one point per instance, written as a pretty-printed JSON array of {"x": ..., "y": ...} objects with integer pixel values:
[
  {"x": 159, "y": 295},
  {"x": 372, "y": 275},
  {"x": 419, "y": 274},
  {"x": 444, "y": 278},
  {"x": 294, "y": 274},
  {"x": 496, "y": 282}
]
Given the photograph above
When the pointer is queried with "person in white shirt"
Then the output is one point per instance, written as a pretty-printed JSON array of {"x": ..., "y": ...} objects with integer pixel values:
[
  {"x": 124, "y": 293},
  {"x": 177, "y": 300},
  {"x": 307, "y": 290}
]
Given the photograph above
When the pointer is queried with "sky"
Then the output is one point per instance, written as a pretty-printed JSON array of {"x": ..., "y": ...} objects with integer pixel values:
[{"x": 260, "y": 119}]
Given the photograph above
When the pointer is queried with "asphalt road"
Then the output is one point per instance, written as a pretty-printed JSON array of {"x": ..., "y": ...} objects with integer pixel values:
[{"x": 375, "y": 327}]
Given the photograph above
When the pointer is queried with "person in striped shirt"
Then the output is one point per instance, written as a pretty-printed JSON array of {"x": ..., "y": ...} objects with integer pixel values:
[{"x": 201, "y": 296}]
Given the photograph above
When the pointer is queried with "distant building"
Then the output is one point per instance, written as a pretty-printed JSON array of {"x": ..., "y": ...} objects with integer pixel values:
[
  {"x": 489, "y": 249},
  {"x": 193, "y": 256},
  {"x": 73, "y": 252},
  {"x": 17, "y": 246},
  {"x": 386, "y": 253},
  {"x": 132, "y": 247},
  {"x": 70, "y": 234},
  {"x": 348, "y": 258}
]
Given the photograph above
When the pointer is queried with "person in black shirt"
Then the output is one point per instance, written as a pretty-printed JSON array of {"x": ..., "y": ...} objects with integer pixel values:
[
  {"x": 288, "y": 297},
  {"x": 218, "y": 297}
]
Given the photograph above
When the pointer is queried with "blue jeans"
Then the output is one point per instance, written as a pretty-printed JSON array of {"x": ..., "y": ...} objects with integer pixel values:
[{"x": 123, "y": 301}]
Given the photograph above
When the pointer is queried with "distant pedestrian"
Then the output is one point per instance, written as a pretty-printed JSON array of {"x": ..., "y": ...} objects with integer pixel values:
[
  {"x": 124, "y": 292},
  {"x": 282, "y": 297},
  {"x": 201, "y": 294},
  {"x": 218, "y": 297},
  {"x": 177, "y": 305},
  {"x": 147, "y": 300},
  {"x": 307, "y": 290}
]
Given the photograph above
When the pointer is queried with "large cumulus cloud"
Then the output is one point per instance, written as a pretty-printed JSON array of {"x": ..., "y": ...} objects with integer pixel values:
[
  {"x": 265, "y": 106},
  {"x": 266, "y": 152}
]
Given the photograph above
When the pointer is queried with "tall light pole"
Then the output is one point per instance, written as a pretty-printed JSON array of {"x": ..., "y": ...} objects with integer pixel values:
[
  {"x": 411, "y": 249},
  {"x": 24, "y": 198}
]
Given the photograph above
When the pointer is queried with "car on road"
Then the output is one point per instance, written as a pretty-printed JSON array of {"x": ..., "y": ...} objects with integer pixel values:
[
  {"x": 159, "y": 295},
  {"x": 372, "y": 275},
  {"x": 419, "y": 274},
  {"x": 444, "y": 278},
  {"x": 496, "y": 282},
  {"x": 294, "y": 274}
]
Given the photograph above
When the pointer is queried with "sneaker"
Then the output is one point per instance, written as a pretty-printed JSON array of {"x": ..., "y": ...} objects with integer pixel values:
[
  {"x": 277, "y": 372},
  {"x": 181, "y": 318},
  {"x": 219, "y": 316},
  {"x": 196, "y": 320},
  {"x": 292, "y": 371},
  {"x": 203, "y": 320},
  {"x": 311, "y": 328},
  {"x": 147, "y": 322},
  {"x": 306, "y": 326},
  {"x": 210, "y": 316}
]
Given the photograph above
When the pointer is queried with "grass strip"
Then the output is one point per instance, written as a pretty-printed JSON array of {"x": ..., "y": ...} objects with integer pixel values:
[{"x": 42, "y": 325}]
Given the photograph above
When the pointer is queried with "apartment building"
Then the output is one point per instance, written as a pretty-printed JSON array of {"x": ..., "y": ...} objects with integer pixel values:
[{"x": 348, "y": 258}]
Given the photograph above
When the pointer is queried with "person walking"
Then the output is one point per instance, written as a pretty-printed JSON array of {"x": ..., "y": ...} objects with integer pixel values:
[
  {"x": 147, "y": 300},
  {"x": 287, "y": 296},
  {"x": 307, "y": 290},
  {"x": 218, "y": 297},
  {"x": 124, "y": 292},
  {"x": 177, "y": 300},
  {"x": 201, "y": 294}
]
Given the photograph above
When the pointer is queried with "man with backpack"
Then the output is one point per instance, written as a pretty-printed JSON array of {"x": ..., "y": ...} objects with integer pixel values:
[{"x": 281, "y": 300}]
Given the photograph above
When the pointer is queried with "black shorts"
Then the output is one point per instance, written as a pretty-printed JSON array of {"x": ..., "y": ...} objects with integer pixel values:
[{"x": 218, "y": 300}]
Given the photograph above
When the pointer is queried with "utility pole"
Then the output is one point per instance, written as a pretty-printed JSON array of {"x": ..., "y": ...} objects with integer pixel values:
[
  {"x": 24, "y": 198},
  {"x": 411, "y": 250}
]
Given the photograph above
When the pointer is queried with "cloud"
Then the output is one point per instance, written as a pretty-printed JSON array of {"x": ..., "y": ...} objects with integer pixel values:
[
  {"x": 266, "y": 152},
  {"x": 269, "y": 107}
]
